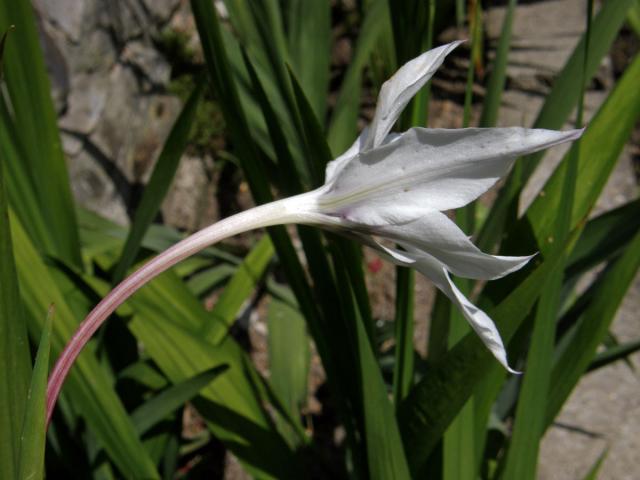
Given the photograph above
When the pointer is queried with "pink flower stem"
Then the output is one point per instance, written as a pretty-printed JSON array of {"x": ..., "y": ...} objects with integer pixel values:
[{"x": 276, "y": 213}]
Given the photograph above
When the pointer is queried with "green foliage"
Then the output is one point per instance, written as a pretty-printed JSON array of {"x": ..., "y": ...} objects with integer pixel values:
[{"x": 270, "y": 70}]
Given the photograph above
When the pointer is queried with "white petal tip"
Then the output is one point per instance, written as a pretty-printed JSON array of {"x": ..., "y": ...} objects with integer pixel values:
[{"x": 577, "y": 133}]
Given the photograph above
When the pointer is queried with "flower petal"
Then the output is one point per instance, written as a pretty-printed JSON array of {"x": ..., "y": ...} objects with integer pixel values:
[
  {"x": 479, "y": 321},
  {"x": 396, "y": 92},
  {"x": 435, "y": 271},
  {"x": 335, "y": 166},
  {"x": 429, "y": 169},
  {"x": 436, "y": 234}
]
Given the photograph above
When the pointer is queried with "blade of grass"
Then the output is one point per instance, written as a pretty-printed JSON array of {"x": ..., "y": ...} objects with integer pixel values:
[
  {"x": 14, "y": 347},
  {"x": 160, "y": 181},
  {"x": 319, "y": 266},
  {"x": 34, "y": 431},
  {"x": 157, "y": 408},
  {"x": 144, "y": 374},
  {"x": 35, "y": 120}
]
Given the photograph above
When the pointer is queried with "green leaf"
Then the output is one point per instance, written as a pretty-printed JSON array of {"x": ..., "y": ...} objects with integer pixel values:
[
  {"x": 564, "y": 94},
  {"x": 318, "y": 150},
  {"x": 160, "y": 181},
  {"x": 385, "y": 453},
  {"x": 316, "y": 147},
  {"x": 600, "y": 147},
  {"x": 309, "y": 42},
  {"x": 34, "y": 428},
  {"x": 459, "y": 439},
  {"x": 497, "y": 80},
  {"x": 230, "y": 405},
  {"x": 633, "y": 18},
  {"x": 14, "y": 346},
  {"x": 2, "y": 42},
  {"x": 35, "y": 123},
  {"x": 88, "y": 387},
  {"x": 592, "y": 474},
  {"x": 144, "y": 374},
  {"x": 403, "y": 367},
  {"x": 604, "y": 237},
  {"x": 235, "y": 294},
  {"x": 288, "y": 355},
  {"x": 450, "y": 381},
  {"x": 522, "y": 456},
  {"x": 157, "y": 408},
  {"x": 613, "y": 354},
  {"x": 203, "y": 282},
  {"x": 575, "y": 358},
  {"x": 343, "y": 128},
  {"x": 557, "y": 107}
]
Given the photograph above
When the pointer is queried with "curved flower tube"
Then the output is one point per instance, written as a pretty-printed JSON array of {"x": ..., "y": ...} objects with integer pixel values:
[{"x": 389, "y": 186}]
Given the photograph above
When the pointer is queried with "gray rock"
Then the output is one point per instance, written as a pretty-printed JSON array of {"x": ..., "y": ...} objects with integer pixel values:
[
  {"x": 93, "y": 188},
  {"x": 95, "y": 54},
  {"x": 127, "y": 18},
  {"x": 189, "y": 196},
  {"x": 85, "y": 104},
  {"x": 148, "y": 61},
  {"x": 55, "y": 62},
  {"x": 71, "y": 144},
  {"x": 161, "y": 10},
  {"x": 67, "y": 15},
  {"x": 120, "y": 118}
]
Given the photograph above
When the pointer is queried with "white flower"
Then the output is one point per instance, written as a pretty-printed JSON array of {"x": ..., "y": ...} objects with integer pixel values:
[
  {"x": 396, "y": 186},
  {"x": 392, "y": 186}
]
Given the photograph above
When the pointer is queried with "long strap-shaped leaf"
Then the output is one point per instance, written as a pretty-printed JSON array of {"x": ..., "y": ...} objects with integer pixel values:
[
  {"x": 34, "y": 432},
  {"x": 35, "y": 121},
  {"x": 575, "y": 358},
  {"x": 14, "y": 347}
]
